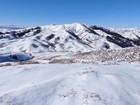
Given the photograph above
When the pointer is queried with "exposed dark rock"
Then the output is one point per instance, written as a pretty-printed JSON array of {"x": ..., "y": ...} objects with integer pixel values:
[
  {"x": 50, "y": 37},
  {"x": 120, "y": 41},
  {"x": 18, "y": 34},
  {"x": 116, "y": 38},
  {"x": 136, "y": 42},
  {"x": 34, "y": 45},
  {"x": 37, "y": 30},
  {"x": 106, "y": 31},
  {"x": 44, "y": 45},
  {"x": 106, "y": 45},
  {"x": 57, "y": 40},
  {"x": 74, "y": 35},
  {"x": 90, "y": 30},
  {"x": 14, "y": 57},
  {"x": 70, "y": 37},
  {"x": 1, "y": 33}
]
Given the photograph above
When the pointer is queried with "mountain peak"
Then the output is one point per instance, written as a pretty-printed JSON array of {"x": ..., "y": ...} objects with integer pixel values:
[{"x": 67, "y": 37}]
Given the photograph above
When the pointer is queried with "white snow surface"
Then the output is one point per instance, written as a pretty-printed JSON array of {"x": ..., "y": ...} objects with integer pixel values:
[{"x": 70, "y": 84}]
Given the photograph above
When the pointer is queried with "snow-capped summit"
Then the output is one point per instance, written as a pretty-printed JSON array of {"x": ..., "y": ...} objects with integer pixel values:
[
  {"x": 40, "y": 78},
  {"x": 67, "y": 38}
]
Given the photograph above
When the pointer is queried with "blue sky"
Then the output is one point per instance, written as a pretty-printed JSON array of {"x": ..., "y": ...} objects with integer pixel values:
[{"x": 108, "y": 13}]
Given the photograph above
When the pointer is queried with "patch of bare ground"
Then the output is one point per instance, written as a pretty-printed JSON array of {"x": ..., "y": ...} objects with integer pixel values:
[
  {"x": 28, "y": 62},
  {"x": 5, "y": 64},
  {"x": 119, "y": 55}
]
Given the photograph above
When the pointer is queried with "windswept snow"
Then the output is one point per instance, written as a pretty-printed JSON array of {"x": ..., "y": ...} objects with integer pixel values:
[{"x": 74, "y": 84}]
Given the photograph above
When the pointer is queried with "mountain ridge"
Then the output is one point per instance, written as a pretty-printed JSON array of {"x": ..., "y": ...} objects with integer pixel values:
[{"x": 74, "y": 37}]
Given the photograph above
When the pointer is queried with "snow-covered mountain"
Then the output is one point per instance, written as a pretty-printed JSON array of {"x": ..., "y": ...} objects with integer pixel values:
[
  {"x": 67, "y": 38},
  {"x": 106, "y": 75}
]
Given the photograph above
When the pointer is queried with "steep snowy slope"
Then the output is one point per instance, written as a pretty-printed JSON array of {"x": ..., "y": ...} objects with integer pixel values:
[
  {"x": 76, "y": 84},
  {"x": 67, "y": 38}
]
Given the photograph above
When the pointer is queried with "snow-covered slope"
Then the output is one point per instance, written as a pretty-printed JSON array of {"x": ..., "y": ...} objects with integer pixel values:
[
  {"x": 75, "y": 84},
  {"x": 67, "y": 38}
]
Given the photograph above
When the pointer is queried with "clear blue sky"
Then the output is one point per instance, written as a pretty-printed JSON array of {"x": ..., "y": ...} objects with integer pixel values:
[{"x": 108, "y": 13}]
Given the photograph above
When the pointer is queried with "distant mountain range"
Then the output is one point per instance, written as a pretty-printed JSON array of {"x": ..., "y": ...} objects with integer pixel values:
[
  {"x": 74, "y": 37},
  {"x": 9, "y": 27}
]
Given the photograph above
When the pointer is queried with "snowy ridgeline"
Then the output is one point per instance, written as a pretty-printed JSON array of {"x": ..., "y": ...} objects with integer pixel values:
[
  {"x": 73, "y": 84},
  {"x": 67, "y": 38}
]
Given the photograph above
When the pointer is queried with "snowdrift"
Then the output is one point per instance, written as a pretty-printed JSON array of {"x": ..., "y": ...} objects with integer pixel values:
[{"x": 75, "y": 84}]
